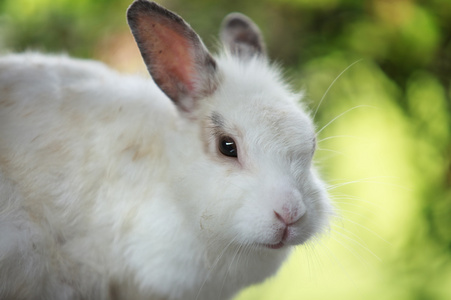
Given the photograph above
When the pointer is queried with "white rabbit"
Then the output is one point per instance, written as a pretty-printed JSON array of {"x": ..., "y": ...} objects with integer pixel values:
[{"x": 191, "y": 186}]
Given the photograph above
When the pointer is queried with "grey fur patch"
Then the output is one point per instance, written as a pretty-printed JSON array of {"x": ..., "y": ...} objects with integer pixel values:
[{"x": 217, "y": 119}]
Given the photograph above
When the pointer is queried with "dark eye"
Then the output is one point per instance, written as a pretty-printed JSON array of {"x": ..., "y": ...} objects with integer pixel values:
[{"x": 227, "y": 146}]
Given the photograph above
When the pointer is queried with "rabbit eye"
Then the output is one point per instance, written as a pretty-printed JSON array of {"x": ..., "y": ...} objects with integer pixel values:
[{"x": 227, "y": 146}]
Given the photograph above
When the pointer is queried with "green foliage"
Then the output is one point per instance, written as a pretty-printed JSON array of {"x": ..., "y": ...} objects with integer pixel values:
[{"x": 393, "y": 139}]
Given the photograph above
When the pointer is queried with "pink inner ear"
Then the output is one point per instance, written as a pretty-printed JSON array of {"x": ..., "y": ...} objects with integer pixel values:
[{"x": 172, "y": 55}]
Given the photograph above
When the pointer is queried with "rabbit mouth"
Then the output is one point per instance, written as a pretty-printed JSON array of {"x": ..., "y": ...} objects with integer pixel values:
[{"x": 275, "y": 246}]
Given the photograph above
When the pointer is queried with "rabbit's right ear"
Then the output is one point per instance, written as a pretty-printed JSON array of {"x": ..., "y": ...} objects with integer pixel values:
[
  {"x": 242, "y": 36},
  {"x": 174, "y": 54}
]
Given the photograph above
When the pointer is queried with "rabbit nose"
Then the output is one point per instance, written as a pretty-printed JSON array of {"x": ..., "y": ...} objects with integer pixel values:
[
  {"x": 289, "y": 218},
  {"x": 291, "y": 211}
]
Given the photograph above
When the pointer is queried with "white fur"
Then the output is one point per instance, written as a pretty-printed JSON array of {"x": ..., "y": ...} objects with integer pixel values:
[{"x": 108, "y": 192}]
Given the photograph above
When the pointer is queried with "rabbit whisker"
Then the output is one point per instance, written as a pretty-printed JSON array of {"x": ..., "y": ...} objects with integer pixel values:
[
  {"x": 330, "y": 86},
  {"x": 342, "y": 114},
  {"x": 215, "y": 264}
]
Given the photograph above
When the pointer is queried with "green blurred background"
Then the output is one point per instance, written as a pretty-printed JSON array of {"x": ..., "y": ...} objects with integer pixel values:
[{"x": 386, "y": 144}]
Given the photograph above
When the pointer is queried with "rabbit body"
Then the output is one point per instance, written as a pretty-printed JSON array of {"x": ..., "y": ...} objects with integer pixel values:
[{"x": 110, "y": 190}]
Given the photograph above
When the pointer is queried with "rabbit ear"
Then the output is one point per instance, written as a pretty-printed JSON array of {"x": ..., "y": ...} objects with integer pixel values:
[
  {"x": 242, "y": 36},
  {"x": 174, "y": 54}
]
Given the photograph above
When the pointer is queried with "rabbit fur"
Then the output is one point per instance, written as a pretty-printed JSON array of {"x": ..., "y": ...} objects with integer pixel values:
[{"x": 115, "y": 186}]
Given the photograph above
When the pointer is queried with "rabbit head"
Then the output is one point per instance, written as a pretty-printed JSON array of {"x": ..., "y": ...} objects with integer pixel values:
[{"x": 243, "y": 156}]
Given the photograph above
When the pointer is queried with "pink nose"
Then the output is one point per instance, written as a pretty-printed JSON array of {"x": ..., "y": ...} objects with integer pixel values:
[{"x": 289, "y": 216}]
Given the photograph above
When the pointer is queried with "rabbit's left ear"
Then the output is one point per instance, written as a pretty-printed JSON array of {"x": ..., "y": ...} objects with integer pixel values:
[
  {"x": 174, "y": 54},
  {"x": 241, "y": 36}
]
